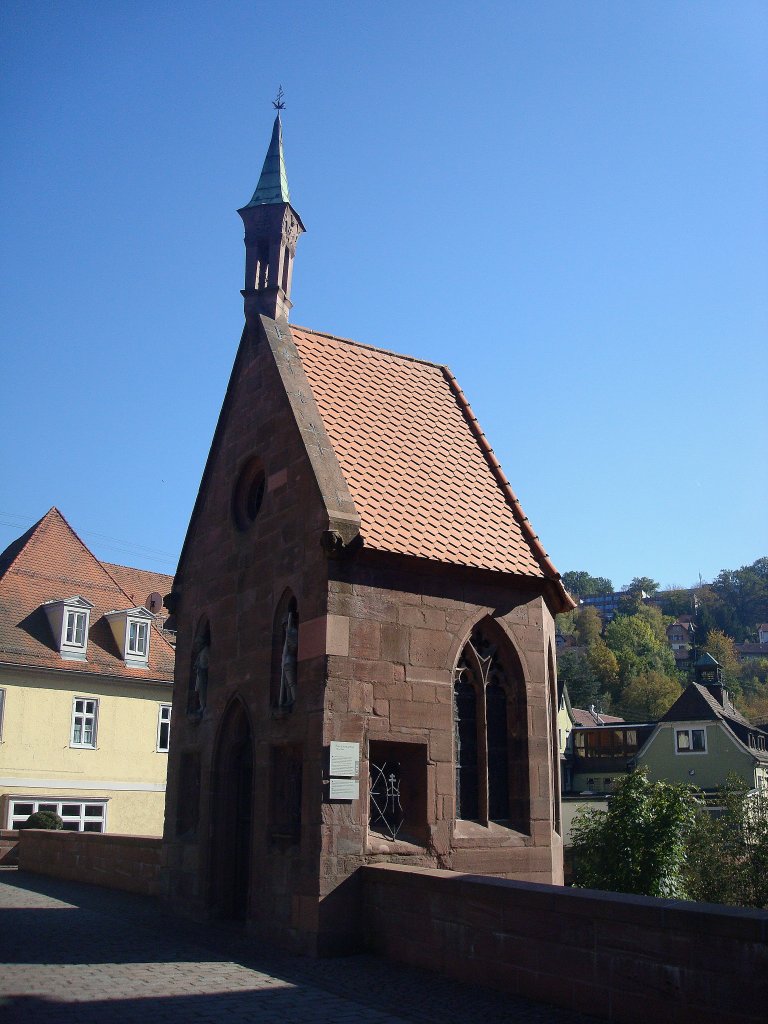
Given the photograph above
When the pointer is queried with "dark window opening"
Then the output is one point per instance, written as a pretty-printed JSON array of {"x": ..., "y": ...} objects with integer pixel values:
[
  {"x": 398, "y": 790},
  {"x": 286, "y": 770},
  {"x": 285, "y": 649},
  {"x": 248, "y": 494}
]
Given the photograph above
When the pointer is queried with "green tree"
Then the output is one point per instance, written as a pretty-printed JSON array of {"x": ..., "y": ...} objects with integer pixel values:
[
  {"x": 581, "y": 584},
  {"x": 676, "y": 601},
  {"x": 722, "y": 650},
  {"x": 587, "y": 625},
  {"x": 637, "y": 648},
  {"x": 584, "y": 686},
  {"x": 728, "y": 854},
  {"x": 658, "y": 622},
  {"x": 644, "y": 585},
  {"x": 639, "y": 844},
  {"x": 648, "y": 696},
  {"x": 741, "y": 599},
  {"x": 603, "y": 664},
  {"x": 635, "y": 593}
]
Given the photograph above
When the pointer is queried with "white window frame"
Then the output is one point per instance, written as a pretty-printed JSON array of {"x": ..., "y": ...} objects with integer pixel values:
[
  {"x": 85, "y": 715},
  {"x": 75, "y": 616},
  {"x": 137, "y": 643},
  {"x": 689, "y": 731},
  {"x": 58, "y": 805},
  {"x": 163, "y": 718},
  {"x": 2, "y": 711}
]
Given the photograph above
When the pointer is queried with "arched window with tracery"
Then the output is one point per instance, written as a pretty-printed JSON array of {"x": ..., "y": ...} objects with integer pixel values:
[{"x": 491, "y": 732}]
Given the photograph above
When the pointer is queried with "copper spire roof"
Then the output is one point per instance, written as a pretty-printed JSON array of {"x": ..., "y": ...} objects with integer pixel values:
[
  {"x": 273, "y": 182},
  {"x": 422, "y": 475}
]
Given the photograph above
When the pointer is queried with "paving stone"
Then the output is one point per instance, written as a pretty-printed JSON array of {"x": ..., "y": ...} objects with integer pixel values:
[{"x": 77, "y": 954}]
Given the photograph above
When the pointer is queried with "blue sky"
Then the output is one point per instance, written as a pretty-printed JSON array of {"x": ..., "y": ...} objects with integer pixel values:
[{"x": 565, "y": 202}]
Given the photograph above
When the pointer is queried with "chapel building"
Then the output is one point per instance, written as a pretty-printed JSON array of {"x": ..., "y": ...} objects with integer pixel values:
[{"x": 365, "y": 660}]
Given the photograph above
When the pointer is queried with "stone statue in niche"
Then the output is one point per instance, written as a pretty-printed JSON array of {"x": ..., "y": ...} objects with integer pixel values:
[
  {"x": 201, "y": 651},
  {"x": 288, "y": 661}
]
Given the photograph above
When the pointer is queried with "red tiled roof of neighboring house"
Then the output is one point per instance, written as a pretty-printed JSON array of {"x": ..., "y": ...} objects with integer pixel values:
[
  {"x": 583, "y": 717},
  {"x": 751, "y": 648},
  {"x": 50, "y": 562},
  {"x": 422, "y": 475},
  {"x": 138, "y": 584}
]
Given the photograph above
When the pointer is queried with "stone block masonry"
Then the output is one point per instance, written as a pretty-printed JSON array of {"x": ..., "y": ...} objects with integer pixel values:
[
  {"x": 130, "y": 863},
  {"x": 9, "y": 843},
  {"x": 629, "y": 959}
]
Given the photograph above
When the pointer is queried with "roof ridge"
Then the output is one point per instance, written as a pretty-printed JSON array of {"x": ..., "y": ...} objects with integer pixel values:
[
  {"x": 372, "y": 348},
  {"x": 137, "y": 568}
]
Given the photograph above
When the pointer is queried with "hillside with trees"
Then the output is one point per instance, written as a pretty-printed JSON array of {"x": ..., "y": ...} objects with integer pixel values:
[{"x": 627, "y": 667}]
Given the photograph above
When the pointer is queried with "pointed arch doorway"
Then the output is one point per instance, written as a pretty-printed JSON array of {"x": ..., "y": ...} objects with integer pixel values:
[{"x": 231, "y": 816}]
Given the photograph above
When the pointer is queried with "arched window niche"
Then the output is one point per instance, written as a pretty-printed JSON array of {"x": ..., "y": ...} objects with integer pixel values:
[
  {"x": 197, "y": 695},
  {"x": 491, "y": 731},
  {"x": 553, "y": 707},
  {"x": 285, "y": 644}
]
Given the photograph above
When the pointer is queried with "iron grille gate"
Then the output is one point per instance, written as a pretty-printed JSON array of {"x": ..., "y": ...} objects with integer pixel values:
[{"x": 386, "y": 811}]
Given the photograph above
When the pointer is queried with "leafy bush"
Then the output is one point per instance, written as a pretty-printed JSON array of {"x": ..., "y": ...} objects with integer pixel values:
[
  {"x": 639, "y": 845},
  {"x": 43, "y": 819},
  {"x": 728, "y": 853}
]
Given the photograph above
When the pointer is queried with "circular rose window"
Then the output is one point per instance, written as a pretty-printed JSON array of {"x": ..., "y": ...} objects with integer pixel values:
[{"x": 248, "y": 494}]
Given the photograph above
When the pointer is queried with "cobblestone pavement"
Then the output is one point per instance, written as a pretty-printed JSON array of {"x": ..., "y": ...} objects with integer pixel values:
[{"x": 76, "y": 954}]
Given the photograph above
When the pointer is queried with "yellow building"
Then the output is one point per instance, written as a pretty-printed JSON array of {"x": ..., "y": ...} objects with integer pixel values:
[{"x": 86, "y": 675}]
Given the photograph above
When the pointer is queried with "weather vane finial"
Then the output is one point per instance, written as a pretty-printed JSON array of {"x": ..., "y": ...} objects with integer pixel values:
[{"x": 278, "y": 103}]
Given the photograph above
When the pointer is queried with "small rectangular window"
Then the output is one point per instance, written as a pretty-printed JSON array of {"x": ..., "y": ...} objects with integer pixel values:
[
  {"x": 137, "y": 638},
  {"x": 164, "y": 728},
  {"x": 84, "y": 715},
  {"x": 691, "y": 741},
  {"x": 74, "y": 630}
]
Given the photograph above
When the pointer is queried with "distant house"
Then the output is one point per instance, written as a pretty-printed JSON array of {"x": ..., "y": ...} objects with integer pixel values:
[
  {"x": 703, "y": 738},
  {"x": 607, "y": 605},
  {"x": 680, "y": 636},
  {"x": 602, "y": 754},
  {"x": 750, "y": 650},
  {"x": 86, "y": 675}
]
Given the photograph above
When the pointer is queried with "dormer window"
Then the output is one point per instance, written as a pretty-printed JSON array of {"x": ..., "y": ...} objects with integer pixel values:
[
  {"x": 69, "y": 620},
  {"x": 138, "y": 639},
  {"x": 130, "y": 628},
  {"x": 75, "y": 629}
]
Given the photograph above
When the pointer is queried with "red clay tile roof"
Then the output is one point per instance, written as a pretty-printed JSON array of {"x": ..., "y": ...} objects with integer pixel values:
[
  {"x": 50, "y": 562},
  {"x": 138, "y": 584},
  {"x": 419, "y": 469},
  {"x": 583, "y": 717}
]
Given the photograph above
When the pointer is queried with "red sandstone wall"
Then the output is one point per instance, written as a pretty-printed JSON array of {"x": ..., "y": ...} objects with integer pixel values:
[
  {"x": 131, "y": 863},
  {"x": 625, "y": 958},
  {"x": 9, "y": 839}
]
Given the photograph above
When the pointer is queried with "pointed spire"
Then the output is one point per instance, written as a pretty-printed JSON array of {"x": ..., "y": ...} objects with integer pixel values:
[{"x": 273, "y": 183}]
